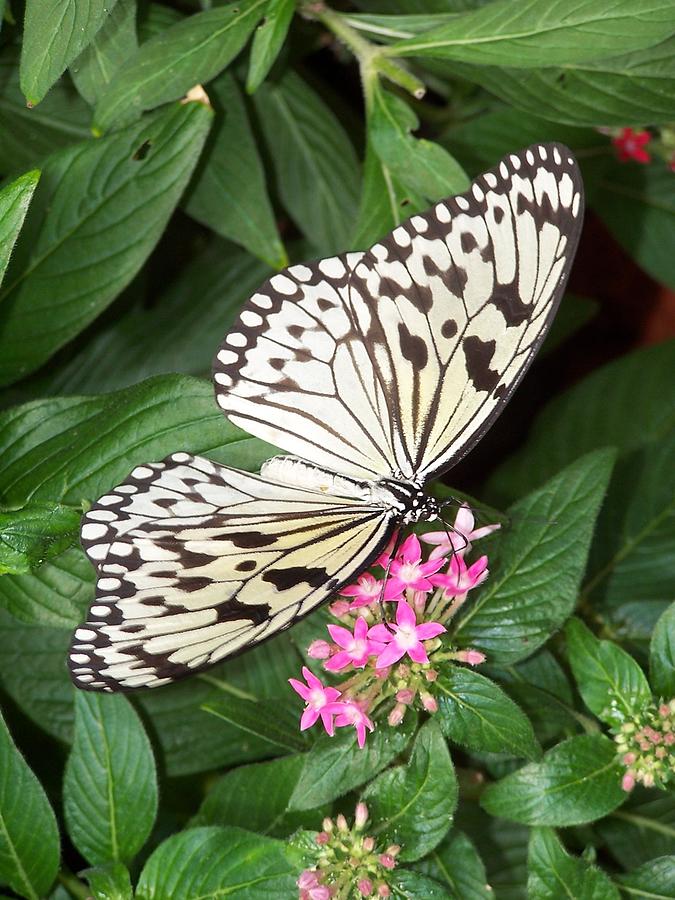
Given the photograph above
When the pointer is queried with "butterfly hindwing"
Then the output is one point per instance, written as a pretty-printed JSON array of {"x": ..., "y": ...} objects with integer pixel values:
[
  {"x": 396, "y": 361},
  {"x": 230, "y": 560}
]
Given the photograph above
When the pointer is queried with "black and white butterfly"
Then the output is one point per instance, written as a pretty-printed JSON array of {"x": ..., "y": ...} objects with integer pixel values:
[{"x": 376, "y": 371}]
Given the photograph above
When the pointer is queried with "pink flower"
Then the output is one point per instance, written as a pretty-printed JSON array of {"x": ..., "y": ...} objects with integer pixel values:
[
  {"x": 631, "y": 144},
  {"x": 458, "y": 538},
  {"x": 350, "y": 713},
  {"x": 366, "y": 591},
  {"x": 459, "y": 578},
  {"x": 320, "y": 701},
  {"x": 405, "y": 636},
  {"x": 356, "y": 648},
  {"x": 408, "y": 571}
]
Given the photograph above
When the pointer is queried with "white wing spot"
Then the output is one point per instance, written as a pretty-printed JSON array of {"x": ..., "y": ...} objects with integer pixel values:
[
  {"x": 180, "y": 457},
  {"x": 419, "y": 223},
  {"x": 503, "y": 171},
  {"x": 283, "y": 284},
  {"x": 462, "y": 202},
  {"x": 236, "y": 339},
  {"x": 333, "y": 268},
  {"x": 491, "y": 180},
  {"x": 575, "y": 205},
  {"x": 227, "y": 357},
  {"x": 262, "y": 301},
  {"x": 529, "y": 156},
  {"x": 109, "y": 584},
  {"x": 79, "y": 657},
  {"x": 100, "y": 610},
  {"x": 222, "y": 378},
  {"x": 556, "y": 156},
  {"x": 250, "y": 318},
  {"x": 142, "y": 472},
  {"x": 91, "y": 531},
  {"x": 542, "y": 152},
  {"x": 84, "y": 634},
  {"x": 515, "y": 161},
  {"x": 477, "y": 192},
  {"x": 442, "y": 213},
  {"x": 302, "y": 273},
  {"x": 109, "y": 500},
  {"x": 401, "y": 237}
]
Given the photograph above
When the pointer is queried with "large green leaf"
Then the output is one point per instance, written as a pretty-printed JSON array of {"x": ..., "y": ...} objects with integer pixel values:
[
  {"x": 110, "y": 783},
  {"x": 474, "y": 712},
  {"x": 593, "y": 414},
  {"x": 268, "y": 40},
  {"x": 108, "y": 203},
  {"x": 336, "y": 765},
  {"x": 633, "y": 87},
  {"x": 14, "y": 200},
  {"x": 229, "y": 194},
  {"x": 316, "y": 169},
  {"x": 273, "y": 722},
  {"x": 230, "y": 862},
  {"x": 412, "y": 805},
  {"x": 95, "y": 67},
  {"x": 662, "y": 655},
  {"x": 425, "y": 168},
  {"x": 577, "y": 781},
  {"x": 537, "y": 33},
  {"x": 34, "y": 534},
  {"x": 555, "y": 874},
  {"x": 612, "y": 684},
  {"x": 29, "y": 837},
  {"x": 180, "y": 333},
  {"x": 164, "y": 68},
  {"x": 54, "y": 33},
  {"x": 257, "y": 797},
  {"x": 637, "y": 203},
  {"x": 655, "y": 880},
  {"x": 109, "y": 882},
  {"x": 456, "y": 864},
  {"x": 642, "y": 829},
  {"x": 541, "y": 563},
  {"x": 30, "y": 135}
]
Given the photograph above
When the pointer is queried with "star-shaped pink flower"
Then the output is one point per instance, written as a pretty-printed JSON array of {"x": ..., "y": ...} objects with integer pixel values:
[
  {"x": 405, "y": 637},
  {"x": 408, "y": 571},
  {"x": 356, "y": 648},
  {"x": 320, "y": 701},
  {"x": 632, "y": 144},
  {"x": 458, "y": 538},
  {"x": 366, "y": 591},
  {"x": 351, "y": 713},
  {"x": 459, "y": 579}
]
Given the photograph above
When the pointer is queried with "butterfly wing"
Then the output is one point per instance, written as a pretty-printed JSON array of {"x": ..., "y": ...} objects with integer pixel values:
[
  {"x": 196, "y": 561},
  {"x": 394, "y": 362}
]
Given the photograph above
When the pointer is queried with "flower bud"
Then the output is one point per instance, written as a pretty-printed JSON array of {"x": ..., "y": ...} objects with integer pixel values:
[
  {"x": 321, "y": 892},
  {"x": 308, "y": 879},
  {"x": 393, "y": 850},
  {"x": 395, "y": 717},
  {"x": 341, "y": 823},
  {"x": 339, "y": 608},
  {"x": 360, "y": 816},
  {"x": 365, "y": 887},
  {"x": 628, "y": 782},
  {"x": 471, "y": 657},
  {"x": 322, "y": 838},
  {"x": 629, "y": 759},
  {"x": 406, "y": 695},
  {"x": 431, "y": 675},
  {"x": 327, "y": 825},
  {"x": 384, "y": 891},
  {"x": 319, "y": 650},
  {"x": 369, "y": 844},
  {"x": 428, "y": 702},
  {"x": 387, "y": 861}
]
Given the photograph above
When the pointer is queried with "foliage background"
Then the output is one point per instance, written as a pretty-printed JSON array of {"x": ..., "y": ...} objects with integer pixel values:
[{"x": 137, "y": 225}]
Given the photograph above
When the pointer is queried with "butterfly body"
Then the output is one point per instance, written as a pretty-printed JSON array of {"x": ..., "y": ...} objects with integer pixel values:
[{"x": 374, "y": 372}]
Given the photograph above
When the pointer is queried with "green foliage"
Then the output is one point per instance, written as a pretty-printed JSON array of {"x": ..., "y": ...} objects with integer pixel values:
[{"x": 159, "y": 161}]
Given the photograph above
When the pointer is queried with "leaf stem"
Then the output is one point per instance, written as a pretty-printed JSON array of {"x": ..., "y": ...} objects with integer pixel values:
[
  {"x": 371, "y": 59},
  {"x": 73, "y": 886}
]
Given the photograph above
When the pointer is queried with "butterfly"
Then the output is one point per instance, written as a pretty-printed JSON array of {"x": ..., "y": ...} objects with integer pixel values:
[{"x": 375, "y": 372}]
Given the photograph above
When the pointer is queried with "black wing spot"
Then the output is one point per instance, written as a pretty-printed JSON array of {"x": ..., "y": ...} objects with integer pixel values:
[
  {"x": 413, "y": 347},
  {"x": 449, "y": 328},
  {"x": 468, "y": 242},
  {"x": 247, "y": 565},
  {"x": 284, "y": 579},
  {"x": 478, "y": 358}
]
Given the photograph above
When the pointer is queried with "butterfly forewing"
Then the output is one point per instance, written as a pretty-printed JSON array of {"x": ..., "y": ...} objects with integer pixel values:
[
  {"x": 395, "y": 362},
  {"x": 181, "y": 591}
]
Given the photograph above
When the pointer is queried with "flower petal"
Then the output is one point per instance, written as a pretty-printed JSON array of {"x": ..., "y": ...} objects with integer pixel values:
[
  {"x": 417, "y": 653},
  {"x": 309, "y": 717},
  {"x": 428, "y": 630},
  {"x": 391, "y": 654}
]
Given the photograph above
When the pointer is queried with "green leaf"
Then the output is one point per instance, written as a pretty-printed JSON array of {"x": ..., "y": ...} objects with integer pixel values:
[
  {"x": 474, "y": 712},
  {"x": 642, "y": 829},
  {"x": 637, "y": 203},
  {"x": 535, "y": 33},
  {"x": 612, "y": 684},
  {"x": 257, "y": 797},
  {"x": 34, "y": 534},
  {"x": 654, "y": 880},
  {"x": 153, "y": 18},
  {"x": 577, "y": 781},
  {"x": 108, "y": 202},
  {"x": 95, "y": 67},
  {"x": 541, "y": 563},
  {"x": 268, "y": 40},
  {"x": 456, "y": 864},
  {"x": 502, "y": 845},
  {"x": 334, "y": 766},
  {"x": 179, "y": 334},
  {"x": 273, "y": 721},
  {"x": 662, "y": 655},
  {"x": 633, "y": 87},
  {"x": 407, "y": 884},
  {"x": 29, "y": 135},
  {"x": 240, "y": 865},
  {"x": 109, "y": 882},
  {"x": 632, "y": 553},
  {"x": 229, "y": 194},
  {"x": 54, "y": 33},
  {"x": 593, "y": 414},
  {"x": 110, "y": 782},
  {"x": 555, "y": 874},
  {"x": 193, "y": 51},
  {"x": 74, "y": 448},
  {"x": 316, "y": 169},
  {"x": 412, "y": 805},
  {"x": 14, "y": 200},
  {"x": 56, "y": 594},
  {"x": 29, "y": 837},
  {"x": 384, "y": 204},
  {"x": 422, "y": 166},
  {"x": 573, "y": 313}
]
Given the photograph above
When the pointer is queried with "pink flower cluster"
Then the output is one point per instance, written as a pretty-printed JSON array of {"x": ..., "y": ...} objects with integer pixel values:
[
  {"x": 391, "y": 659},
  {"x": 348, "y": 862},
  {"x": 647, "y": 747},
  {"x": 635, "y": 144}
]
